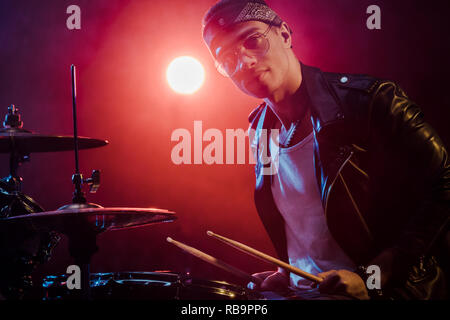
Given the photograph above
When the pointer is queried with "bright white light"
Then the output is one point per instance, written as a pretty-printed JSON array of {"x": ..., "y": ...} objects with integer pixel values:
[{"x": 185, "y": 75}]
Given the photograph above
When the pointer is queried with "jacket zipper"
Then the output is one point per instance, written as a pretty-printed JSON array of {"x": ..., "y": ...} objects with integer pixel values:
[
  {"x": 348, "y": 191},
  {"x": 356, "y": 208},
  {"x": 334, "y": 180}
]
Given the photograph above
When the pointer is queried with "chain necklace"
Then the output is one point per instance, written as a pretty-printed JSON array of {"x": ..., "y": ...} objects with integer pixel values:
[{"x": 290, "y": 134}]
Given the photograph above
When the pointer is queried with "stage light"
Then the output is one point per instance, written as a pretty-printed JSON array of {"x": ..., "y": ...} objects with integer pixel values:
[{"x": 185, "y": 75}]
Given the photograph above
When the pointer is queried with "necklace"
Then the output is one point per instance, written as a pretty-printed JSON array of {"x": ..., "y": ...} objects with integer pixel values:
[{"x": 290, "y": 134}]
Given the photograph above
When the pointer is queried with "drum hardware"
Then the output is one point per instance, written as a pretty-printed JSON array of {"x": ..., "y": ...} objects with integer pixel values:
[
  {"x": 82, "y": 238},
  {"x": 20, "y": 143},
  {"x": 83, "y": 230},
  {"x": 79, "y": 199},
  {"x": 14, "y": 123},
  {"x": 82, "y": 226},
  {"x": 97, "y": 219},
  {"x": 81, "y": 222},
  {"x": 155, "y": 285}
]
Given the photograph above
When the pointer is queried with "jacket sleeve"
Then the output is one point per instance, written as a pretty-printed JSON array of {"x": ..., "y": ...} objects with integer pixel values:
[{"x": 399, "y": 121}]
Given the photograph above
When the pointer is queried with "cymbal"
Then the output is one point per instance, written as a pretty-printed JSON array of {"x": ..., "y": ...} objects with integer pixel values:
[
  {"x": 97, "y": 219},
  {"x": 26, "y": 142}
]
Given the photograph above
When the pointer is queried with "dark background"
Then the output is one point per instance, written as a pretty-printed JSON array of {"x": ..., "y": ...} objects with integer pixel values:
[{"x": 122, "y": 52}]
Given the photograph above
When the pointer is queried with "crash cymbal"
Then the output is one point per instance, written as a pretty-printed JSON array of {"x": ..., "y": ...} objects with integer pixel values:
[
  {"x": 25, "y": 142},
  {"x": 97, "y": 219}
]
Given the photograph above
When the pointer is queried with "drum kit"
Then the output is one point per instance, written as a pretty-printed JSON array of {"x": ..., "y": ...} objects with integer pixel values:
[{"x": 28, "y": 233}]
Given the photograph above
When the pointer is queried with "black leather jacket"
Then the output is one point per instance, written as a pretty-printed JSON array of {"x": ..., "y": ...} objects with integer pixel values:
[{"x": 383, "y": 173}]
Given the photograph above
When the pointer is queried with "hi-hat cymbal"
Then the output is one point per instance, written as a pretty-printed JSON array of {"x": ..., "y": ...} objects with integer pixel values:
[
  {"x": 24, "y": 141},
  {"x": 96, "y": 219}
]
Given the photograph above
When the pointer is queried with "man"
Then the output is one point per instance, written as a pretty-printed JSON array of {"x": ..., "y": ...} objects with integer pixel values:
[{"x": 360, "y": 179}]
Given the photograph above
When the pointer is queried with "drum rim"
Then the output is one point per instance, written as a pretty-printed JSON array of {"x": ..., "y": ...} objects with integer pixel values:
[{"x": 183, "y": 283}]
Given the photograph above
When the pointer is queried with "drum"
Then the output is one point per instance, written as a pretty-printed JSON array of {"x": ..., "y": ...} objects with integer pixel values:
[{"x": 148, "y": 286}]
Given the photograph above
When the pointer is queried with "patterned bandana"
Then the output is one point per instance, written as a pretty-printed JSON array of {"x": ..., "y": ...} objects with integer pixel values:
[{"x": 226, "y": 13}]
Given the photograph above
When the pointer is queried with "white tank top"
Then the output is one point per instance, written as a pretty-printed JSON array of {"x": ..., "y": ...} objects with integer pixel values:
[{"x": 310, "y": 245}]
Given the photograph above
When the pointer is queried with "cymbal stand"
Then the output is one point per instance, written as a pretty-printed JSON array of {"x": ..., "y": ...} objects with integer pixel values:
[
  {"x": 13, "y": 123},
  {"x": 82, "y": 242}
]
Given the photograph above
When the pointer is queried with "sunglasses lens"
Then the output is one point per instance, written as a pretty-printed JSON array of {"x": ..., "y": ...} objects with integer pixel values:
[
  {"x": 255, "y": 45},
  {"x": 225, "y": 69}
]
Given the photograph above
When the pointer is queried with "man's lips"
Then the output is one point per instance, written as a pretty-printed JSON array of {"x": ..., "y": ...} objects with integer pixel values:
[
  {"x": 256, "y": 75},
  {"x": 261, "y": 74}
]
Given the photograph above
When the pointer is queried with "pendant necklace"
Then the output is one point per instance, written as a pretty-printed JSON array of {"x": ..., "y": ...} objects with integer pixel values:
[{"x": 290, "y": 134}]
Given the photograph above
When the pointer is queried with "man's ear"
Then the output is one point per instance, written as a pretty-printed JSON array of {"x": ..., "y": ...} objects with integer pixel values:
[{"x": 285, "y": 33}]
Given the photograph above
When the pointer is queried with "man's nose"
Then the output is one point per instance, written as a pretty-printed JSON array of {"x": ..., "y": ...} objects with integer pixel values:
[{"x": 246, "y": 61}]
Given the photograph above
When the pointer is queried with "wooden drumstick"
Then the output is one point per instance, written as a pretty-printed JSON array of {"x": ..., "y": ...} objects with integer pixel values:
[
  {"x": 218, "y": 263},
  {"x": 265, "y": 257}
]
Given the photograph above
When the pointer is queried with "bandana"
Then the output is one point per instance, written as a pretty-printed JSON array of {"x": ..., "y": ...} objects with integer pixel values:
[{"x": 226, "y": 13}]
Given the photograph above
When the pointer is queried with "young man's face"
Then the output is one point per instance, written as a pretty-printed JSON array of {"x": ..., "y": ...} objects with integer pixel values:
[{"x": 256, "y": 75}]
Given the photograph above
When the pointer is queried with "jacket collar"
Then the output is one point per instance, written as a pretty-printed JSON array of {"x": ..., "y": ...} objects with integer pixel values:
[{"x": 325, "y": 107}]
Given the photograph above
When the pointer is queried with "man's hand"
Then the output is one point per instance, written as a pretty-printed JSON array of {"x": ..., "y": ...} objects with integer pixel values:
[
  {"x": 343, "y": 281},
  {"x": 276, "y": 281}
]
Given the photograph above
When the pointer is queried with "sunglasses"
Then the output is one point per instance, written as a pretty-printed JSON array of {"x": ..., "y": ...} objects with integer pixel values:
[{"x": 255, "y": 45}]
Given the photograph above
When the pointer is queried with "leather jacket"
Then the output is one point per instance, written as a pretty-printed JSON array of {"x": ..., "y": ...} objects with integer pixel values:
[{"x": 382, "y": 172}]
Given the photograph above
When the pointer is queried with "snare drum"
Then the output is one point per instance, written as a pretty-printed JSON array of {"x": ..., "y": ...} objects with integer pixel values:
[{"x": 149, "y": 286}]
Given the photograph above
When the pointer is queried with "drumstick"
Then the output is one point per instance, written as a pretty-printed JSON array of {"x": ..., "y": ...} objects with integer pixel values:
[
  {"x": 265, "y": 257},
  {"x": 218, "y": 263}
]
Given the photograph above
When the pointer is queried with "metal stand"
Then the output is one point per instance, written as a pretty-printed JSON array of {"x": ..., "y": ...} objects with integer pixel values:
[
  {"x": 14, "y": 124},
  {"x": 82, "y": 246},
  {"x": 82, "y": 240}
]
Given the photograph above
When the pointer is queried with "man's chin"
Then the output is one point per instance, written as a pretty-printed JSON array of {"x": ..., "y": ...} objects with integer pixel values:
[{"x": 257, "y": 89}]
